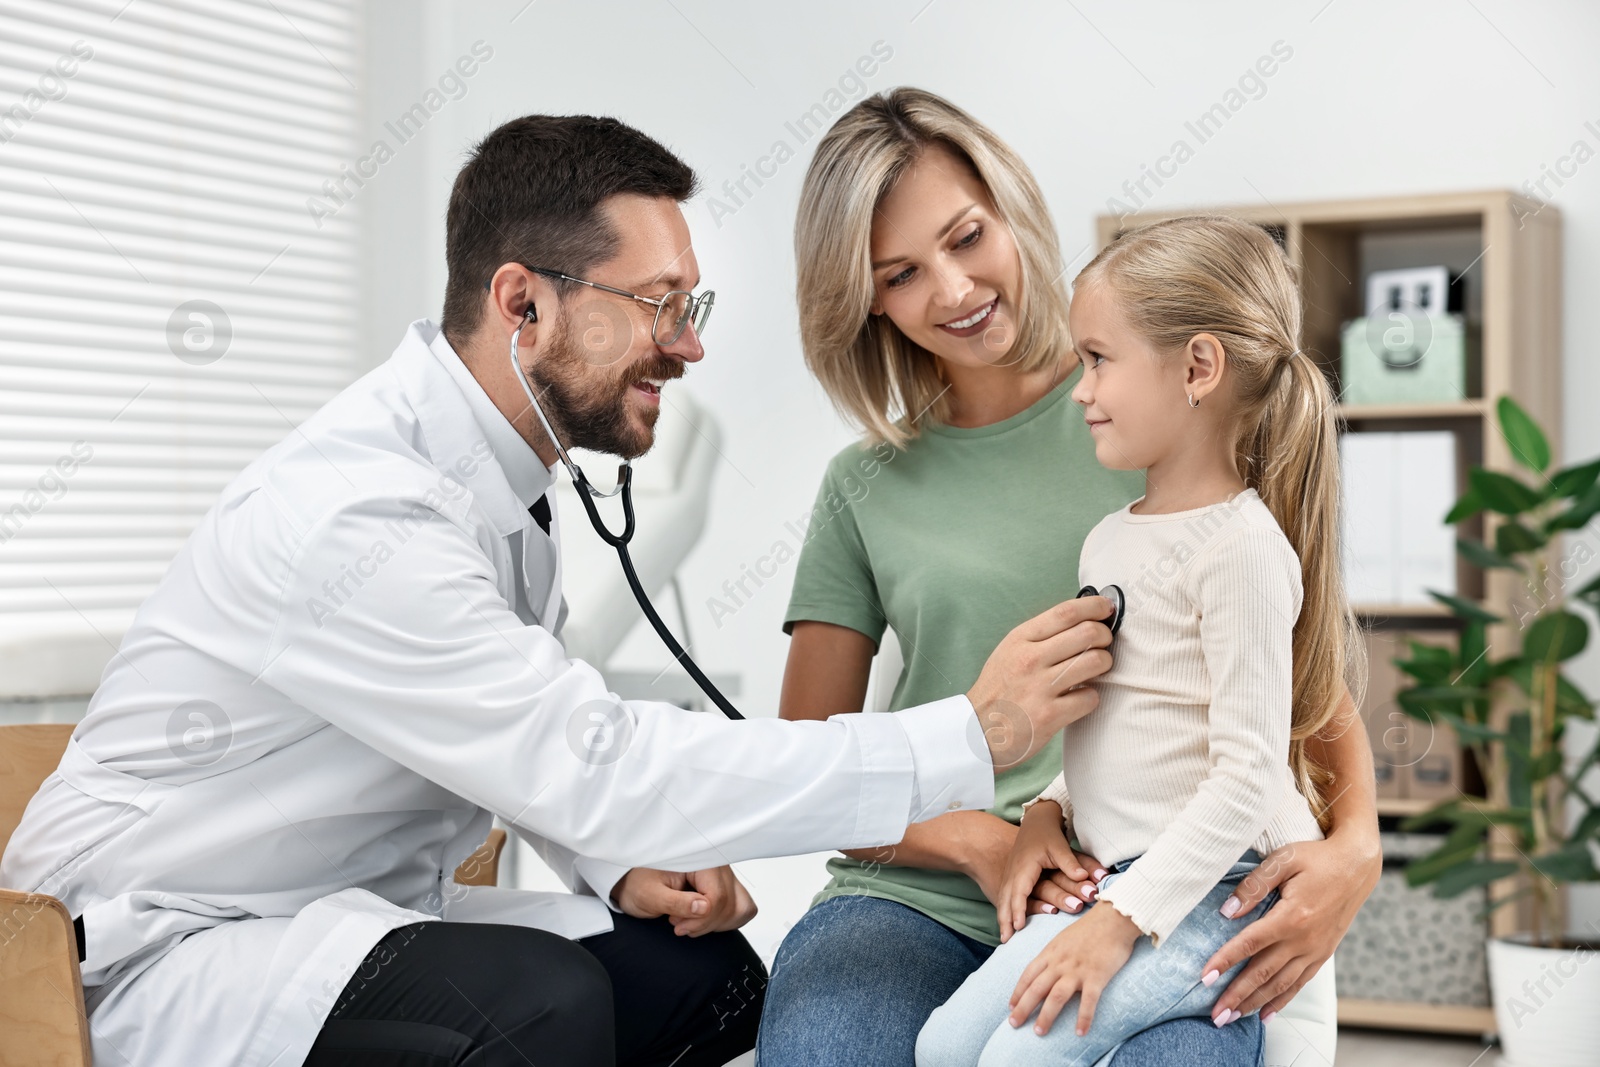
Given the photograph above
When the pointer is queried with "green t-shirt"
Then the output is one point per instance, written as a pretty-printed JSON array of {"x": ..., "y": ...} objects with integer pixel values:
[{"x": 953, "y": 541}]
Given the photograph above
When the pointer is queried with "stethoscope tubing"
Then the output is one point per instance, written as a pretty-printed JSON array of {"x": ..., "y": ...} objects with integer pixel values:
[{"x": 587, "y": 493}]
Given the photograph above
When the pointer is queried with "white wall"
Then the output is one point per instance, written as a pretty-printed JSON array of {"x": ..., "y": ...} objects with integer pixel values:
[{"x": 1377, "y": 98}]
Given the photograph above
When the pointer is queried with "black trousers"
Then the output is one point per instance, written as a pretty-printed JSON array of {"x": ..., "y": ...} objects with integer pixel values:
[{"x": 442, "y": 994}]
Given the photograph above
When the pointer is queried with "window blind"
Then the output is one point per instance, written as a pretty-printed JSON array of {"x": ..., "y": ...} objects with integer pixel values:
[{"x": 169, "y": 305}]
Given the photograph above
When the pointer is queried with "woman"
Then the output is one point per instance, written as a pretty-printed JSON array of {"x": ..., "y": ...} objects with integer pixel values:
[{"x": 932, "y": 313}]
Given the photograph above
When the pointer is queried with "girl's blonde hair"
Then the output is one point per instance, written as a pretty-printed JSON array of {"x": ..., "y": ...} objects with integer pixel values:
[
  {"x": 877, "y": 377},
  {"x": 1218, "y": 275}
]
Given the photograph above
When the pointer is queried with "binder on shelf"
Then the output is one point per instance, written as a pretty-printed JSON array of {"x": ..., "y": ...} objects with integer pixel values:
[
  {"x": 1398, "y": 487},
  {"x": 1424, "y": 491},
  {"x": 1369, "y": 563}
]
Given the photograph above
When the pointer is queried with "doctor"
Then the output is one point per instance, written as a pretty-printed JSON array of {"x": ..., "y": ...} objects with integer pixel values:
[{"x": 354, "y": 662}]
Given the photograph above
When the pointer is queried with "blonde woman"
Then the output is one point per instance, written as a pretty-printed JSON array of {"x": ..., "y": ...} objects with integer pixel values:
[{"x": 933, "y": 315}]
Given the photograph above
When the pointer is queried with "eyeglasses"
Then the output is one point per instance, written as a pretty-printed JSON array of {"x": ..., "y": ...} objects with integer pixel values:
[{"x": 674, "y": 311}]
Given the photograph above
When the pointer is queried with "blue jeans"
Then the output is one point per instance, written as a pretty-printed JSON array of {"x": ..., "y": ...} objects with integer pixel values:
[
  {"x": 857, "y": 977},
  {"x": 1154, "y": 986}
]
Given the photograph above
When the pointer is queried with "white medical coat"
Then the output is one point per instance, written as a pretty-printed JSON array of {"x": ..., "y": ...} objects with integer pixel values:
[{"x": 312, "y": 718}]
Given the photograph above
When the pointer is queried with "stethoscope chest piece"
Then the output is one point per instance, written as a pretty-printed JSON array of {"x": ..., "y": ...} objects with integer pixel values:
[{"x": 1119, "y": 604}]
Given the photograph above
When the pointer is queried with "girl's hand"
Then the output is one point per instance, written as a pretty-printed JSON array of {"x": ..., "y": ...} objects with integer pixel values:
[
  {"x": 1080, "y": 959},
  {"x": 1322, "y": 885},
  {"x": 1041, "y": 846}
]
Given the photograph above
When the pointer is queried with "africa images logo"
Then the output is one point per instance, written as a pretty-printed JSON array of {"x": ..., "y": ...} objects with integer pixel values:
[
  {"x": 199, "y": 733},
  {"x": 599, "y": 732}
]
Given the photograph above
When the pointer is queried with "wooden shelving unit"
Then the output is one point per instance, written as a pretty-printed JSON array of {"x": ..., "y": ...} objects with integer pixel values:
[
  {"x": 1405, "y": 807},
  {"x": 1507, "y": 251},
  {"x": 1402, "y": 611},
  {"x": 1427, "y": 1018},
  {"x": 1461, "y": 409}
]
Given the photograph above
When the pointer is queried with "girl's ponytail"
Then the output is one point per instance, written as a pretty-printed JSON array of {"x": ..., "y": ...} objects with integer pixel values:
[
  {"x": 1292, "y": 461},
  {"x": 1225, "y": 277}
]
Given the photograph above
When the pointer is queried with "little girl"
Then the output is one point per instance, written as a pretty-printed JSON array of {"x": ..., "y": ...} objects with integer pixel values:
[{"x": 1231, "y": 654}]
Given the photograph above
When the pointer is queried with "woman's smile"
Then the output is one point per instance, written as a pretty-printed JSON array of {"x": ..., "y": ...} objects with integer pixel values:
[{"x": 972, "y": 323}]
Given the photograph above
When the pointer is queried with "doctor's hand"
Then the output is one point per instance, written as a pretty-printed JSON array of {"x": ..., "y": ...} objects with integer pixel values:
[
  {"x": 699, "y": 902},
  {"x": 1033, "y": 682}
]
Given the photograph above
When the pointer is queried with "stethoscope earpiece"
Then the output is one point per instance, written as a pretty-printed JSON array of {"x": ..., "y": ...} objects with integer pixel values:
[{"x": 1119, "y": 604}]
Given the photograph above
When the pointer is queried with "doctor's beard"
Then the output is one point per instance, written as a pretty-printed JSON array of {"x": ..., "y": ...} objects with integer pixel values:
[{"x": 588, "y": 407}]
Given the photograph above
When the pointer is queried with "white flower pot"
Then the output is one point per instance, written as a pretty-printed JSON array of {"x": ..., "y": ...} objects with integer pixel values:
[{"x": 1546, "y": 1003}]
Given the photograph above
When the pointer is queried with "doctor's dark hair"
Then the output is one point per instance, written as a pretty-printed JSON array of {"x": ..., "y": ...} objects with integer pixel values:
[
  {"x": 531, "y": 193},
  {"x": 1226, "y": 277}
]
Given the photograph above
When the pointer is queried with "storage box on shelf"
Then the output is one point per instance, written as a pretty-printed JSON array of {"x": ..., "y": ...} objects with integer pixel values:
[
  {"x": 1408, "y": 947},
  {"x": 1504, "y": 251},
  {"x": 1418, "y": 764}
]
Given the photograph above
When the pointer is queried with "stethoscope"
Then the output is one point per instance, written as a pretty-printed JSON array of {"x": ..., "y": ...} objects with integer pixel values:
[
  {"x": 1119, "y": 604},
  {"x": 588, "y": 494}
]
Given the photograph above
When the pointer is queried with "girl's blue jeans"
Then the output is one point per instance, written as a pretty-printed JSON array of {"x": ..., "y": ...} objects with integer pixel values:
[
  {"x": 858, "y": 976},
  {"x": 1155, "y": 986}
]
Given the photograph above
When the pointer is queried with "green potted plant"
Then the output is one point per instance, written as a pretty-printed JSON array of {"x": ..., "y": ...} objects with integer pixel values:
[{"x": 1510, "y": 705}]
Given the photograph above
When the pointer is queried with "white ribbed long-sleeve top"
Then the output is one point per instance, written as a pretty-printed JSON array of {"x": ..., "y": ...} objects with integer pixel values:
[{"x": 1184, "y": 764}]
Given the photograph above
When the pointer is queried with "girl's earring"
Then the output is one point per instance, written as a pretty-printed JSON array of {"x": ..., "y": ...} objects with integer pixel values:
[{"x": 1193, "y": 402}]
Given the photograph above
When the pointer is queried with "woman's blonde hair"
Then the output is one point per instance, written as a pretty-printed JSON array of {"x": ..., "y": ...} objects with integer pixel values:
[
  {"x": 1221, "y": 276},
  {"x": 877, "y": 377}
]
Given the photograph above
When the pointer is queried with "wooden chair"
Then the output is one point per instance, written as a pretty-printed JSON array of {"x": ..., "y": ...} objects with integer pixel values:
[
  {"x": 42, "y": 1022},
  {"x": 41, "y": 991}
]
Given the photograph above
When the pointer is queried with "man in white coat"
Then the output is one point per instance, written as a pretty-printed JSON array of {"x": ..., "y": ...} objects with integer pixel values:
[{"x": 354, "y": 663}]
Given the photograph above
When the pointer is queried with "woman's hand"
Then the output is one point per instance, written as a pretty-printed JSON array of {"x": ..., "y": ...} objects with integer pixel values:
[
  {"x": 1080, "y": 959},
  {"x": 1041, "y": 849},
  {"x": 1067, "y": 890},
  {"x": 1322, "y": 885}
]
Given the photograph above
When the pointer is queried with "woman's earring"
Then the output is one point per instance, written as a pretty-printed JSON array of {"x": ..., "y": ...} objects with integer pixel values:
[{"x": 1193, "y": 402}]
